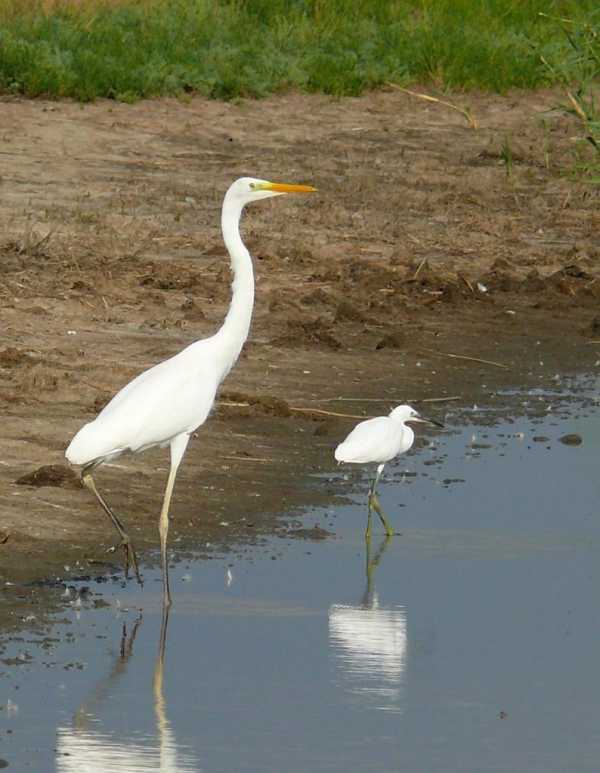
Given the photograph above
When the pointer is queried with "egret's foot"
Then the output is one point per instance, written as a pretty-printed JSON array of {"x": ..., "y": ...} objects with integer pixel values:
[{"x": 130, "y": 558}]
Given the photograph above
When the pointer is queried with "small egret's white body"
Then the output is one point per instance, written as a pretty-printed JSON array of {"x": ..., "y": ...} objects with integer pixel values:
[
  {"x": 165, "y": 404},
  {"x": 377, "y": 441}
]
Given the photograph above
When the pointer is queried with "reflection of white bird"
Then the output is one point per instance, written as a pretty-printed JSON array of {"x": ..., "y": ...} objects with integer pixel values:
[
  {"x": 166, "y": 403},
  {"x": 369, "y": 642},
  {"x": 85, "y": 748},
  {"x": 379, "y": 440},
  {"x": 93, "y": 751}
]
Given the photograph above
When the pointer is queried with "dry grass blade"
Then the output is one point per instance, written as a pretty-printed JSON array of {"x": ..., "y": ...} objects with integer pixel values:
[
  {"x": 464, "y": 111},
  {"x": 248, "y": 459},
  {"x": 438, "y": 399},
  {"x": 321, "y": 412},
  {"x": 420, "y": 266},
  {"x": 390, "y": 399},
  {"x": 466, "y": 357}
]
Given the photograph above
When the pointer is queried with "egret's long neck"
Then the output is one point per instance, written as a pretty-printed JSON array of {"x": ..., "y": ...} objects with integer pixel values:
[{"x": 236, "y": 326}]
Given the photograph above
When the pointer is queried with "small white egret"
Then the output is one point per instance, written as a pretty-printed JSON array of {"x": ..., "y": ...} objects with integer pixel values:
[
  {"x": 378, "y": 441},
  {"x": 165, "y": 404}
]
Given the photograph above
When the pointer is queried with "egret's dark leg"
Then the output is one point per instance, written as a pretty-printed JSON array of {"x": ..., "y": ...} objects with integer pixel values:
[
  {"x": 178, "y": 446},
  {"x": 375, "y": 505},
  {"x": 88, "y": 482}
]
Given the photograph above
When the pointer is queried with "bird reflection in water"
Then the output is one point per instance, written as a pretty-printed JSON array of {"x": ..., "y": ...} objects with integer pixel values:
[
  {"x": 368, "y": 642},
  {"x": 85, "y": 747}
]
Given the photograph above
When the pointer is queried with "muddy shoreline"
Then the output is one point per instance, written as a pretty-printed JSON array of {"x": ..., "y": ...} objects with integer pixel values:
[{"x": 423, "y": 269}]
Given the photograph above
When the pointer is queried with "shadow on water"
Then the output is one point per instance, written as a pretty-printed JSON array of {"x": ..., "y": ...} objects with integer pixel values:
[{"x": 468, "y": 643}]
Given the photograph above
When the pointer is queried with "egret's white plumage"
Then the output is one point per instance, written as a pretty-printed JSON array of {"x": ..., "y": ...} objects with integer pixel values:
[
  {"x": 378, "y": 441},
  {"x": 165, "y": 404}
]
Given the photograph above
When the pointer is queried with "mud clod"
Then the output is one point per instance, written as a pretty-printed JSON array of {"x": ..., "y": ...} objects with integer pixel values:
[
  {"x": 57, "y": 475},
  {"x": 303, "y": 334},
  {"x": 394, "y": 340},
  {"x": 12, "y": 357},
  {"x": 266, "y": 405}
]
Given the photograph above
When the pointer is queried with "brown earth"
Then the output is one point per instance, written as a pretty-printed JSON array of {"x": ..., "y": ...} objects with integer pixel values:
[{"x": 422, "y": 243}]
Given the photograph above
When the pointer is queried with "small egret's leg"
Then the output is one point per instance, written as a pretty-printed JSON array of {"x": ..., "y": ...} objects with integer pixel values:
[
  {"x": 88, "y": 482},
  {"x": 375, "y": 505},
  {"x": 178, "y": 446}
]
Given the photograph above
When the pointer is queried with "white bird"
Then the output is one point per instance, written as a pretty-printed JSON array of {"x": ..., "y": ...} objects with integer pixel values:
[
  {"x": 379, "y": 440},
  {"x": 165, "y": 404}
]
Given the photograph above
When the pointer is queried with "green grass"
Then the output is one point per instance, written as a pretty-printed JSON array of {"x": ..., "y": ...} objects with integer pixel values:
[{"x": 229, "y": 48}]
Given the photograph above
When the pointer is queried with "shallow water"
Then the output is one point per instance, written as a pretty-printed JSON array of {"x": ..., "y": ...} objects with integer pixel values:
[{"x": 470, "y": 645}]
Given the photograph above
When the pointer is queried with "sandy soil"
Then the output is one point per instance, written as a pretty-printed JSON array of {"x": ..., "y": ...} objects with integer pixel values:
[{"x": 419, "y": 245}]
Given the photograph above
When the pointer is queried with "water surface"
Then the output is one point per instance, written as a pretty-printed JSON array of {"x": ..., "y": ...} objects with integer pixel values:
[{"x": 471, "y": 644}]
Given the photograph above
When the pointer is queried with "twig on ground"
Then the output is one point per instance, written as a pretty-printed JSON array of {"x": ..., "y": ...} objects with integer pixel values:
[
  {"x": 321, "y": 412},
  {"x": 247, "y": 459},
  {"x": 390, "y": 399},
  {"x": 466, "y": 357}
]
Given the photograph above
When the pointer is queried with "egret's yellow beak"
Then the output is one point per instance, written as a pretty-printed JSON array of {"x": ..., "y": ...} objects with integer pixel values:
[{"x": 287, "y": 188}]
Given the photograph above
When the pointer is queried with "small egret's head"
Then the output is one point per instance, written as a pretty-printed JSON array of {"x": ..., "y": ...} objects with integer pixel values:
[
  {"x": 248, "y": 189},
  {"x": 404, "y": 413}
]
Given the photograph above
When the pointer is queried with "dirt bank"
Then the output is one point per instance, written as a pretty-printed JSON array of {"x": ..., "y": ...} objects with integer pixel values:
[{"x": 422, "y": 243}]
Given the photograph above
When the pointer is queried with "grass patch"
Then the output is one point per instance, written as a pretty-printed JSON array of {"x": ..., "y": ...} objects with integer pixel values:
[
  {"x": 579, "y": 73},
  {"x": 128, "y": 49}
]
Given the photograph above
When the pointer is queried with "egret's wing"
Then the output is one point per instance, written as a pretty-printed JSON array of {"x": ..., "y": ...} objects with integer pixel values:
[
  {"x": 172, "y": 397},
  {"x": 369, "y": 441}
]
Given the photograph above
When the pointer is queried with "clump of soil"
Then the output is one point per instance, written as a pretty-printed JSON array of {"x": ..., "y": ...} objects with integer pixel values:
[
  {"x": 393, "y": 340},
  {"x": 57, "y": 475},
  {"x": 265, "y": 405},
  {"x": 304, "y": 334},
  {"x": 348, "y": 311},
  {"x": 317, "y": 297},
  {"x": 12, "y": 357}
]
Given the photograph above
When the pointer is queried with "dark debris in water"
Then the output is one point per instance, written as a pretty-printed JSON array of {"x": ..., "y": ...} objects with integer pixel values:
[
  {"x": 572, "y": 439},
  {"x": 316, "y": 533}
]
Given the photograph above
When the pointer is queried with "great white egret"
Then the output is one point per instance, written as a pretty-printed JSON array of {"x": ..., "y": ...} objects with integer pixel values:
[
  {"x": 165, "y": 404},
  {"x": 379, "y": 440}
]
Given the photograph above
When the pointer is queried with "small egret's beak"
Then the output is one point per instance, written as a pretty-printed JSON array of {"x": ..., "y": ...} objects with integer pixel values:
[
  {"x": 286, "y": 188},
  {"x": 424, "y": 420}
]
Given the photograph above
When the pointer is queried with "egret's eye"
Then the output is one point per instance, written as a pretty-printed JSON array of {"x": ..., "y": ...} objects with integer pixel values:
[{"x": 252, "y": 186}]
